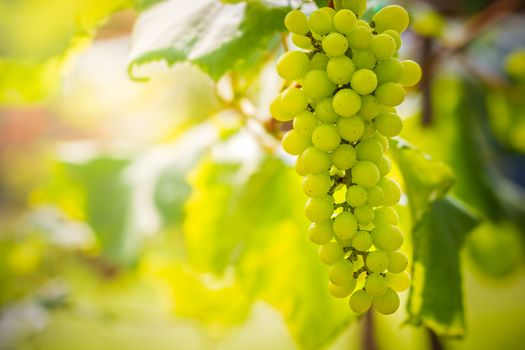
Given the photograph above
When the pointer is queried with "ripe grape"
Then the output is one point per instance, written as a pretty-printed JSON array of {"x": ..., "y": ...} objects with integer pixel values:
[
  {"x": 318, "y": 61},
  {"x": 342, "y": 291},
  {"x": 387, "y": 303},
  {"x": 363, "y": 81},
  {"x": 391, "y": 190},
  {"x": 377, "y": 261},
  {"x": 320, "y": 22},
  {"x": 362, "y": 241},
  {"x": 294, "y": 143},
  {"x": 294, "y": 101},
  {"x": 315, "y": 161},
  {"x": 365, "y": 173},
  {"x": 411, "y": 73},
  {"x": 345, "y": 225},
  {"x": 319, "y": 208},
  {"x": 376, "y": 196},
  {"x": 356, "y": 196},
  {"x": 296, "y": 22},
  {"x": 383, "y": 46},
  {"x": 364, "y": 214},
  {"x": 344, "y": 157},
  {"x": 360, "y": 301},
  {"x": 389, "y": 70},
  {"x": 317, "y": 85},
  {"x": 369, "y": 150},
  {"x": 398, "y": 282},
  {"x": 305, "y": 123},
  {"x": 302, "y": 41},
  {"x": 385, "y": 216},
  {"x": 325, "y": 111},
  {"x": 335, "y": 44},
  {"x": 344, "y": 21},
  {"x": 359, "y": 38},
  {"x": 375, "y": 285},
  {"x": 389, "y": 124},
  {"x": 346, "y": 102},
  {"x": 364, "y": 59},
  {"x": 398, "y": 262},
  {"x": 391, "y": 17},
  {"x": 321, "y": 232},
  {"x": 340, "y": 69},
  {"x": 341, "y": 273},
  {"x": 370, "y": 107},
  {"x": 396, "y": 36},
  {"x": 325, "y": 137},
  {"x": 330, "y": 253},
  {"x": 292, "y": 65},
  {"x": 316, "y": 185},
  {"x": 390, "y": 94},
  {"x": 350, "y": 129},
  {"x": 387, "y": 237}
]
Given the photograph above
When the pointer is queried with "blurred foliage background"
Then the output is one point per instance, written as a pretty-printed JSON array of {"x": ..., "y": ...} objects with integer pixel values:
[{"x": 145, "y": 201}]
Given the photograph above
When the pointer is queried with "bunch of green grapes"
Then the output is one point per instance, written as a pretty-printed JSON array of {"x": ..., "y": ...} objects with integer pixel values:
[{"x": 344, "y": 88}]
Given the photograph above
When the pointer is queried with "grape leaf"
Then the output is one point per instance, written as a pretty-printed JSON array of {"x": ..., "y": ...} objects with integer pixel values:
[
  {"x": 215, "y": 36},
  {"x": 321, "y": 3}
]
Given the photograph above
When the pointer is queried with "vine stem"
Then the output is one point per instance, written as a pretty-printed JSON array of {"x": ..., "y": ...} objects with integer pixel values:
[{"x": 369, "y": 342}]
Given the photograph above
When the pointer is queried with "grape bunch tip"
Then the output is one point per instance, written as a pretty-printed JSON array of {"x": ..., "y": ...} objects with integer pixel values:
[{"x": 345, "y": 84}]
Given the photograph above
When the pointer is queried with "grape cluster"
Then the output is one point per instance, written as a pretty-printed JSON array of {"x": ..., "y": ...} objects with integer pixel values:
[{"x": 344, "y": 87}]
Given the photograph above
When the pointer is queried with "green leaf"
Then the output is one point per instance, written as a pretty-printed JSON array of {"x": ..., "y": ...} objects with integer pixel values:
[
  {"x": 436, "y": 298},
  {"x": 217, "y": 37},
  {"x": 321, "y": 3}
]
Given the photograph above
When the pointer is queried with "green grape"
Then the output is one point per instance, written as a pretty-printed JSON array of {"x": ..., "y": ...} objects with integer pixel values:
[
  {"x": 315, "y": 161},
  {"x": 396, "y": 36},
  {"x": 292, "y": 65},
  {"x": 362, "y": 241},
  {"x": 325, "y": 111},
  {"x": 346, "y": 102},
  {"x": 369, "y": 150},
  {"x": 325, "y": 137},
  {"x": 340, "y": 69},
  {"x": 391, "y": 190},
  {"x": 329, "y": 10},
  {"x": 361, "y": 23},
  {"x": 359, "y": 38},
  {"x": 383, "y": 46},
  {"x": 399, "y": 282},
  {"x": 341, "y": 273},
  {"x": 364, "y": 59},
  {"x": 389, "y": 70},
  {"x": 296, "y": 22},
  {"x": 370, "y": 108},
  {"x": 356, "y": 196},
  {"x": 411, "y": 73},
  {"x": 350, "y": 129},
  {"x": 356, "y": 6},
  {"x": 319, "y": 208},
  {"x": 278, "y": 112},
  {"x": 294, "y": 101},
  {"x": 385, "y": 216},
  {"x": 376, "y": 196},
  {"x": 321, "y": 232},
  {"x": 398, "y": 262},
  {"x": 360, "y": 302},
  {"x": 365, "y": 173},
  {"x": 377, "y": 261},
  {"x": 302, "y": 41},
  {"x": 370, "y": 130},
  {"x": 364, "y": 214},
  {"x": 345, "y": 225},
  {"x": 316, "y": 185},
  {"x": 344, "y": 157},
  {"x": 375, "y": 285},
  {"x": 382, "y": 140},
  {"x": 335, "y": 44},
  {"x": 363, "y": 81},
  {"x": 391, "y": 17},
  {"x": 320, "y": 22},
  {"x": 387, "y": 303},
  {"x": 342, "y": 291},
  {"x": 389, "y": 124},
  {"x": 343, "y": 242},
  {"x": 387, "y": 237},
  {"x": 319, "y": 61},
  {"x": 305, "y": 123},
  {"x": 384, "y": 165},
  {"x": 317, "y": 85},
  {"x": 390, "y": 94},
  {"x": 301, "y": 166},
  {"x": 330, "y": 253},
  {"x": 344, "y": 21},
  {"x": 294, "y": 143}
]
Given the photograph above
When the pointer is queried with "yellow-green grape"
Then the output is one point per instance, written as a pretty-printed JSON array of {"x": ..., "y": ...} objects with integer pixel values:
[
  {"x": 356, "y": 6},
  {"x": 315, "y": 160},
  {"x": 365, "y": 173},
  {"x": 361, "y": 23},
  {"x": 375, "y": 285},
  {"x": 376, "y": 196},
  {"x": 340, "y": 69},
  {"x": 356, "y": 195},
  {"x": 320, "y": 22},
  {"x": 335, "y": 44},
  {"x": 305, "y": 123},
  {"x": 391, "y": 17},
  {"x": 396, "y": 36},
  {"x": 344, "y": 21},
  {"x": 342, "y": 291},
  {"x": 369, "y": 150},
  {"x": 325, "y": 137},
  {"x": 364, "y": 214},
  {"x": 383, "y": 140},
  {"x": 359, "y": 38},
  {"x": 301, "y": 166},
  {"x": 341, "y": 273},
  {"x": 370, "y": 130},
  {"x": 329, "y": 10},
  {"x": 302, "y": 41},
  {"x": 387, "y": 237},
  {"x": 345, "y": 225},
  {"x": 330, "y": 253},
  {"x": 370, "y": 108},
  {"x": 391, "y": 189},
  {"x": 386, "y": 304},
  {"x": 362, "y": 241},
  {"x": 389, "y": 124},
  {"x": 319, "y": 208},
  {"x": 344, "y": 157},
  {"x": 398, "y": 262},
  {"x": 384, "y": 165},
  {"x": 360, "y": 302},
  {"x": 385, "y": 216},
  {"x": 294, "y": 101},
  {"x": 390, "y": 94},
  {"x": 411, "y": 73},
  {"x": 398, "y": 282},
  {"x": 316, "y": 185},
  {"x": 296, "y": 22},
  {"x": 383, "y": 46},
  {"x": 363, "y": 81},
  {"x": 364, "y": 59},
  {"x": 292, "y": 65},
  {"x": 321, "y": 232},
  {"x": 325, "y": 111},
  {"x": 346, "y": 102},
  {"x": 318, "y": 61},
  {"x": 294, "y": 143},
  {"x": 317, "y": 85},
  {"x": 377, "y": 261},
  {"x": 389, "y": 70},
  {"x": 350, "y": 129},
  {"x": 278, "y": 112}
]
